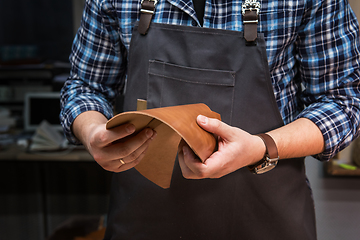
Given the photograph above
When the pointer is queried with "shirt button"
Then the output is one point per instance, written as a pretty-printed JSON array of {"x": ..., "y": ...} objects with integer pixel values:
[{"x": 194, "y": 23}]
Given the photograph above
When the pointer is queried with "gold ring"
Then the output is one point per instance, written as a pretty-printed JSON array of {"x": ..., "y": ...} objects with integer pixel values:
[{"x": 121, "y": 161}]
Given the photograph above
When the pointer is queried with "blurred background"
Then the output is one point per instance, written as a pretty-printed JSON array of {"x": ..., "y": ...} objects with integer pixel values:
[{"x": 50, "y": 190}]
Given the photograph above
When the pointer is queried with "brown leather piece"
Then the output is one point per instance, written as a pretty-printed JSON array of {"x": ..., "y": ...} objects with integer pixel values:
[
  {"x": 145, "y": 17},
  {"x": 250, "y": 25},
  {"x": 171, "y": 125}
]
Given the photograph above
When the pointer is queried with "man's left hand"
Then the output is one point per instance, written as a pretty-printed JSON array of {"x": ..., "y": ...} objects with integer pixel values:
[{"x": 236, "y": 149}]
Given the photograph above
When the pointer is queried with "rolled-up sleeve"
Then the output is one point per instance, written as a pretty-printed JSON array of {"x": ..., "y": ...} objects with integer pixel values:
[
  {"x": 98, "y": 66},
  {"x": 328, "y": 48}
]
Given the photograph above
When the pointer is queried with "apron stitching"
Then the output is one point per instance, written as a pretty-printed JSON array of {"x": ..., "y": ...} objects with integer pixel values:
[
  {"x": 204, "y": 32},
  {"x": 269, "y": 86},
  {"x": 183, "y": 80},
  {"x": 194, "y": 68},
  {"x": 162, "y": 85},
  {"x": 148, "y": 84},
  {"x": 233, "y": 96}
]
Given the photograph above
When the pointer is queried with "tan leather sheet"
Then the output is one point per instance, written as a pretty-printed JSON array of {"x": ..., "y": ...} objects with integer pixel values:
[{"x": 171, "y": 124}]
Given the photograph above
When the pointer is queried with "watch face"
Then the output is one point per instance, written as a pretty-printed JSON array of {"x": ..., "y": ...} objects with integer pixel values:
[{"x": 265, "y": 167}]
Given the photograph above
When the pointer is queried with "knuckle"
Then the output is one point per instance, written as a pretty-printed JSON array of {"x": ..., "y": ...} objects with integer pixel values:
[
  {"x": 107, "y": 167},
  {"x": 147, "y": 133},
  {"x": 223, "y": 127},
  {"x": 216, "y": 122},
  {"x": 187, "y": 175},
  {"x": 136, "y": 161},
  {"x": 215, "y": 125},
  {"x": 98, "y": 158},
  {"x": 216, "y": 176},
  {"x": 102, "y": 160},
  {"x": 92, "y": 142},
  {"x": 97, "y": 139},
  {"x": 125, "y": 150},
  {"x": 202, "y": 174},
  {"x": 101, "y": 137},
  {"x": 132, "y": 157}
]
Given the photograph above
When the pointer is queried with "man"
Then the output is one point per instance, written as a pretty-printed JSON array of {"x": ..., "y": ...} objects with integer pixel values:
[{"x": 289, "y": 69}]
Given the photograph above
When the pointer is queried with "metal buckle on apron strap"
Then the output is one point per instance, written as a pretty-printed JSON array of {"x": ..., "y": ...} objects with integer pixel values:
[
  {"x": 147, "y": 11},
  {"x": 250, "y": 12}
]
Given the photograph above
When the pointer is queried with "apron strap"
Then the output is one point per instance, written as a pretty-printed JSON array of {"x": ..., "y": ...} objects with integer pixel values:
[
  {"x": 147, "y": 11},
  {"x": 250, "y": 12}
]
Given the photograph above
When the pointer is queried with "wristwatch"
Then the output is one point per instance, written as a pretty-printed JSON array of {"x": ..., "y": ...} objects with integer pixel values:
[{"x": 270, "y": 159}]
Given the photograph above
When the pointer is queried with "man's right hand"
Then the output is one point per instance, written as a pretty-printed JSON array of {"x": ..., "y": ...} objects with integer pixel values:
[{"x": 117, "y": 149}]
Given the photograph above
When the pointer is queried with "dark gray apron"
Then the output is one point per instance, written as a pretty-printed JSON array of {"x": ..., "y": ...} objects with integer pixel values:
[{"x": 174, "y": 65}]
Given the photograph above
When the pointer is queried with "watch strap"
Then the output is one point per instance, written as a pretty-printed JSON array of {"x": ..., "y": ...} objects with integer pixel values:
[
  {"x": 271, "y": 153},
  {"x": 271, "y": 149}
]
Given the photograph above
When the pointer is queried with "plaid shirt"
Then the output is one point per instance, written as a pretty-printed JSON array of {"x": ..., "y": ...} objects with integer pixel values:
[{"x": 312, "y": 50}]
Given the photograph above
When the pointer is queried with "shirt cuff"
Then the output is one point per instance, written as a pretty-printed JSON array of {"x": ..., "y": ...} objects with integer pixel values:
[
  {"x": 334, "y": 124},
  {"x": 75, "y": 107}
]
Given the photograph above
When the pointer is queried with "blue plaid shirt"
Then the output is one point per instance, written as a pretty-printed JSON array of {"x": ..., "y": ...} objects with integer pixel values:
[{"x": 312, "y": 50}]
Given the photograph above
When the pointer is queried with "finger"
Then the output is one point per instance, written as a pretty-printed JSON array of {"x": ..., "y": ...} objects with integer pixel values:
[
  {"x": 127, "y": 166},
  {"x": 119, "y": 167},
  {"x": 107, "y": 136},
  {"x": 138, "y": 152},
  {"x": 192, "y": 167},
  {"x": 186, "y": 171},
  {"x": 215, "y": 126},
  {"x": 129, "y": 147},
  {"x": 123, "y": 164}
]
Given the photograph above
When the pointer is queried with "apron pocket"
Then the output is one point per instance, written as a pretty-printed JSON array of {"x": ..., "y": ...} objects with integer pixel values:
[{"x": 171, "y": 84}]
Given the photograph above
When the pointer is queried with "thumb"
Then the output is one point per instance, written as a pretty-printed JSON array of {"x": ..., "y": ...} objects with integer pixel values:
[{"x": 215, "y": 126}]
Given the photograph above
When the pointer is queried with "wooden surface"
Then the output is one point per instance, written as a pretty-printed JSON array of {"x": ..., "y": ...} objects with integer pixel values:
[
  {"x": 15, "y": 152},
  {"x": 333, "y": 169}
]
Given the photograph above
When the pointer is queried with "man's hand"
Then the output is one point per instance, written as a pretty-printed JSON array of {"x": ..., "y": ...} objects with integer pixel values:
[
  {"x": 116, "y": 149},
  {"x": 236, "y": 149}
]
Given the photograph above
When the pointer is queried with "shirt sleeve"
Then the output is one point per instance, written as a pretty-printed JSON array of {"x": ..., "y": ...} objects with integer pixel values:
[
  {"x": 328, "y": 53},
  {"x": 98, "y": 66}
]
